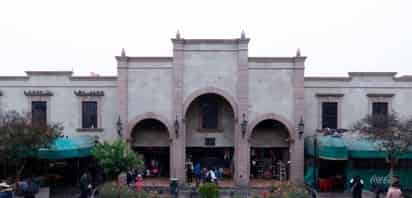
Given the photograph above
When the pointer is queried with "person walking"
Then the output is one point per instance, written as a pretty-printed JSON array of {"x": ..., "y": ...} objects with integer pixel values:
[
  {"x": 85, "y": 185},
  {"x": 198, "y": 173},
  {"x": 31, "y": 190},
  {"x": 189, "y": 170},
  {"x": 139, "y": 183},
  {"x": 394, "y": 190},
  {"x": 357, "y": 186}
]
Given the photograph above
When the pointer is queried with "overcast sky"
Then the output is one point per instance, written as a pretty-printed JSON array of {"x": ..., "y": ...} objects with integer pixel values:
[{"x": 85, "y": 35}]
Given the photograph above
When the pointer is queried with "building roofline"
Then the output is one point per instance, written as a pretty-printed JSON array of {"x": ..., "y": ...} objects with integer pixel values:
[
  {"x": 145, "y": 58},
  {"x": 211, "y": 41},
  {"x": 52, "y": 73},
  {"x": 391, "y": 74}
]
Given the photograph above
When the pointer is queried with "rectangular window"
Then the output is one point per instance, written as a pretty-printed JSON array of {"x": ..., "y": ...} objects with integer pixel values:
[
  {"x": 380, "y": 108},
  {"x": 210, "y": 141},
  {"x": 89, "y": 114},
  {"x": 330, "y": 115},
  {"x": 39, "y": 112},
  {"x": 209, "y": 113}
]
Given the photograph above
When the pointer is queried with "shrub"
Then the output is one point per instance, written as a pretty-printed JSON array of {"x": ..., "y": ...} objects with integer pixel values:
[
  {"x": 290, "y": 190},
  {"x": 116, "y": 157},
  {"x": 209, "y": 190},
  {"x": 112, "y": 190}
]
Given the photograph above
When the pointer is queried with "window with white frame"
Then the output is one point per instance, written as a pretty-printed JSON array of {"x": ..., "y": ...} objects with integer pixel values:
[
  {"x": 329, "y": 110},
  {"x": 380, "y": 104},
  {"x": 90, "y": 110},
  {"x": 39, "y": 113},
  {"x": 89, "y": 114}
]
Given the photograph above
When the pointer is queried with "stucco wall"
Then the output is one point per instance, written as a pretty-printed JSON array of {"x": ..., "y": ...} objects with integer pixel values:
[
  {"x": 64, "y": 106},
  {"x": 269, "y": 138},
  {"x": 149, "y": 90},
  {"x": 271, "y": 91},
  {"x": 355, "y": 104},
  {"x": 209, "y": 69}
]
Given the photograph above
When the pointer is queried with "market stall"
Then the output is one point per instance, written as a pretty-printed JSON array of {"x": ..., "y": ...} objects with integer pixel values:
[{"x": 332, "y": 160}]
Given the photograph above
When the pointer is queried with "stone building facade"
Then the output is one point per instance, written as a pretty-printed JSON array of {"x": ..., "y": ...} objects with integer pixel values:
[{"x": 259, "y": 102}]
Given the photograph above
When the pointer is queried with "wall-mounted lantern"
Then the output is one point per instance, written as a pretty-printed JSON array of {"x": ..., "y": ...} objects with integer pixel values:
[
  {"x": 119, "y": 126},
  {"x": 177, "y": 127},
  {"x": 301, "y": 128},
  {"x": 243, "y": 125}
]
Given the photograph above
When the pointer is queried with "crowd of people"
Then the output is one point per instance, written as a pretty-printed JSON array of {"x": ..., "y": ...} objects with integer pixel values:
[
  {"x": 194, "y": 171},
  {"x": 394, "y": 190}
]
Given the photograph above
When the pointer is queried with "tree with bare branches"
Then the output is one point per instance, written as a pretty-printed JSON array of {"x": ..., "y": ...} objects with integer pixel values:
[
  {"x": 21, "y": 138},
  {"x": 392, "y": 135}
]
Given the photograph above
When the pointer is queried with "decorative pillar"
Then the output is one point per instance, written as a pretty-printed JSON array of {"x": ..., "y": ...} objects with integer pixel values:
[
  {"x": 122, "y": 92},
  {"x": 297, "y": 146},
  {"x": 242, "y": 153},
  {"x": 178, "y": 151}
]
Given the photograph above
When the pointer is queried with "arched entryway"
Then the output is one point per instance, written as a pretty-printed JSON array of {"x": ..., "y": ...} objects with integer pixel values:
[
  {"x": 210, "y": 137},
  {"x": 269, "y": 151},
  {"x": 150, "y": 138}
]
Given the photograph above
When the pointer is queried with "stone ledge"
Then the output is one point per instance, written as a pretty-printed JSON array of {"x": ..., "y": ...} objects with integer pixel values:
[{"x": 90, "y": 130}]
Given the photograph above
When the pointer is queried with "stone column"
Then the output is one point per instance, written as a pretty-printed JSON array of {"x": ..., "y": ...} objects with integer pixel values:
[
  {"x": 297, "y": 146},
  {"x": 242, "y": 95},
  {"x": 179, "y": 141},
  {"x": 122, "y": 92}
]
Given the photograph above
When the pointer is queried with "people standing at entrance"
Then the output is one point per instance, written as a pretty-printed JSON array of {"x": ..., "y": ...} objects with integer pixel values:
[
  {"x": 197, "y": 171},
  {"x": 357, "y": 187},
  {"x": 394, "y": 190},
  {"x": 189, "y": 170},
  {"x": 204, "y": 175},
  {"x": 211, "y": 177}
]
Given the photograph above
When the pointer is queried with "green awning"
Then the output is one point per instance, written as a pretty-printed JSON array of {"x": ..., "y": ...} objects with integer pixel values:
[
  {"x": 68, "y": 147},
  {"x": 328, "y": 147},
  {"x": 346, "y": 146}
]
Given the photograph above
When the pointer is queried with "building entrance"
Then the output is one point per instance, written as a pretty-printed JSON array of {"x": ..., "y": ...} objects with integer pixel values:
[
  {"x": 150, "y": 138},
  {"x": 219, "y": 159},
  {"x": 156, "y": 161}
]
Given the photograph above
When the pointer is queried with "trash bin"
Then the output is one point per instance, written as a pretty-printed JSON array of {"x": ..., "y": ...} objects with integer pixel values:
[{"x": 174, "y": 184}]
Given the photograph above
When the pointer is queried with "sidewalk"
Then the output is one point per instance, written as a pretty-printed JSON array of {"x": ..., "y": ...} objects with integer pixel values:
[
  {"x": 43, "y": 193},
  {"x": 365, "y": 194}
]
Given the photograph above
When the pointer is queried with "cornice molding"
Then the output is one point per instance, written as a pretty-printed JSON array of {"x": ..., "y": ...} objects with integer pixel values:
[
  {"x": 93, "y": 78},
  {"x": 89, "y": 93},
  {"x": 385, "y": 95},
  {"x": 38, "y": 93},
  {"x": 336, "y": 95},
  {"x": 51, "y": 73}
]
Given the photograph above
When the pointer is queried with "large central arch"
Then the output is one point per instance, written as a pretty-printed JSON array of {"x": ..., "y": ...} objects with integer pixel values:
[
  {"x": 210, "y": 90},
  {"x": 220, "y": 153}
]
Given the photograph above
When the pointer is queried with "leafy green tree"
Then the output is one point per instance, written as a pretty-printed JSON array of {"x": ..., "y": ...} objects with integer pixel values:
[
  {"x": 116, "y": 157},
  {"x": 20, "y": 138},
  {"x": 392, "y": 135}
]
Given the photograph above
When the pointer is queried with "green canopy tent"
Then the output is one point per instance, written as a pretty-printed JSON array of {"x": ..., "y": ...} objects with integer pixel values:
[
  {"x": 348, "y": 147},
  {"x": 67, "y": 147},
  {"x": 328, "y": 148}
]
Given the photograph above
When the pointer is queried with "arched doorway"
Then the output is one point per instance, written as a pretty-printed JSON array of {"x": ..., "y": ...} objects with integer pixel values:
[
  {"x": 150, "y": 138},
  {"x": 210, "y": 126},
  {"x": 269, "y": 152}
]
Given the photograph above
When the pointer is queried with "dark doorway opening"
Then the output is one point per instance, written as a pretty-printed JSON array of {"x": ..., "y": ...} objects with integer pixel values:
[
  {"x": 219, "y": 158},
  {"x": 332, "y": 175},
  {"x": 269, "y": 163},
  {"x": 156, "y": 161}
]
